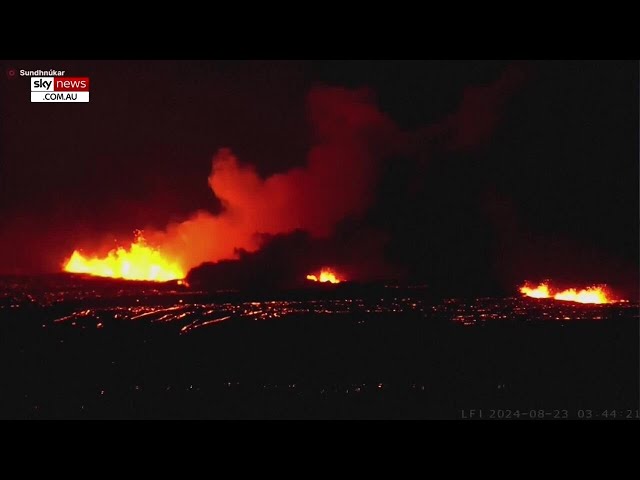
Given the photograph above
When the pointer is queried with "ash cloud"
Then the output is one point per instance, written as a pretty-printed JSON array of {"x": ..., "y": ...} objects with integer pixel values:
[
  {"x": 352, "y": 139},
  {"x": 351, "y": 136}
]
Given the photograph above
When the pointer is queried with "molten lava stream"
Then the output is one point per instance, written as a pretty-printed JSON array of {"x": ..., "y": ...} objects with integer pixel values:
[
  {"x": 139, "y": 262},
  {"x": 595, "y": 294},
  {"x": 326, "y": 275}
]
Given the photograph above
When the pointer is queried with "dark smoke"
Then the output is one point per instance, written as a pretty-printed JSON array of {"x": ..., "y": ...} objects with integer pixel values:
[{"x": 353, "y": 140}]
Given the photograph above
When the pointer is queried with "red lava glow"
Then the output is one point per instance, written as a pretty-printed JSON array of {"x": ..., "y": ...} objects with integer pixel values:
[
  {"x": 139, "y": 262},
  {"x": 594, "y": 294},
  {"x": 325, "y": 275}
]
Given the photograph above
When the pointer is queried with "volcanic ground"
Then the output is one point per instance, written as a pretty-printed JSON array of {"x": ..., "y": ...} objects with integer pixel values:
[{"x": 81, "y": 347}]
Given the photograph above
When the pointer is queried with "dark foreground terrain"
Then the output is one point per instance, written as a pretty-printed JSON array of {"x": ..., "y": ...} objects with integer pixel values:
[{"x": 86, "y": 348}]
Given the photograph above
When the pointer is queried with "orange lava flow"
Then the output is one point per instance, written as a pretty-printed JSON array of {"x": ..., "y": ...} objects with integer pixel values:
[
  {"x": 326, "y": 275},
  {"x": 594, "y": 294},
  {"x": 139, "y": 262}
]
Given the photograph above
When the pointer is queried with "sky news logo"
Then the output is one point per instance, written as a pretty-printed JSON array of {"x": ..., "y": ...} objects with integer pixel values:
[{"x": 59, "y": 89}]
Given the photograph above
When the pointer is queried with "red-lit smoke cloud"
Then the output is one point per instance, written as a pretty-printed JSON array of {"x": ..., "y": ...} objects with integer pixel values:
[
  {"x": 472, "y": 124},
  {"x": 350, "y": 136}
]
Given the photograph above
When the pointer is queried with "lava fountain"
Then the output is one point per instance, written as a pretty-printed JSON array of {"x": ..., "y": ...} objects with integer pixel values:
[
  {"x": 593, "y": 294},
  {"x": 541, "y": 291},
  {"x": 140, "y": 262},
  {"x": 325, "y": 275}
]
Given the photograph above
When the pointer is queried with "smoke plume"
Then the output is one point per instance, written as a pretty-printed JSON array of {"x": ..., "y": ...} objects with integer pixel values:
[
  {"x": 337, "y": 183},
  {"x": 350, "y": 136}
]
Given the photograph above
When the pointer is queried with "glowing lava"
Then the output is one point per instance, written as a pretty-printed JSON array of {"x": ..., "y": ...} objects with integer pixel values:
[
  {"x": 541, "y": 291},
  {"x": 139, "y": 262},
  {"x": 326, "y": 275},
  {"x": 587, "y": 295},
  {"x": 594, "y": 294}
]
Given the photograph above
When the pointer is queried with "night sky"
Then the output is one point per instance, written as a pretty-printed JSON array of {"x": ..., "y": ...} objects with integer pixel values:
[{"x": 507, "y": 170}]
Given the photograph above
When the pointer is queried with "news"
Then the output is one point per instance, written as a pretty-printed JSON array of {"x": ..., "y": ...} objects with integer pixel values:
[{"x": 71, "y": 84}]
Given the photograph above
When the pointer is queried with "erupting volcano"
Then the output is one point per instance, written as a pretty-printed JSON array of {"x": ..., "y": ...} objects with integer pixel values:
[
  {"x": 336, "y": 180},
  {"x": 140, "y": 262},
  {"x": 593, "y": 294},
  {"x": 326, "y": 275}
]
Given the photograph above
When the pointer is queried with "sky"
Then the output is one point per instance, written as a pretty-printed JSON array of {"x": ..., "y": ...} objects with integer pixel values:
[{"x": 467, "y": 175}]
